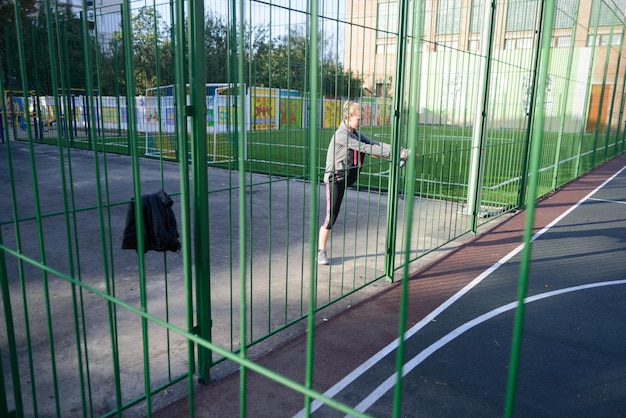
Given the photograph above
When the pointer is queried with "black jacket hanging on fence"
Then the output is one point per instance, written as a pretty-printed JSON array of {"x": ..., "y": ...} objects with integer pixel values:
[{"x": 159, "y": 224}]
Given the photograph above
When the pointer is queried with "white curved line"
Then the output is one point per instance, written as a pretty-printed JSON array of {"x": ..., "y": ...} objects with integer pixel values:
[
  {"x": 390, "y": 382},
  {"x": 360, "y": 370}
]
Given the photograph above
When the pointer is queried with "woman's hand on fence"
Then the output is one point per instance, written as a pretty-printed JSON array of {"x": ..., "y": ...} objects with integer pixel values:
[{"x": 404, "y": 155}]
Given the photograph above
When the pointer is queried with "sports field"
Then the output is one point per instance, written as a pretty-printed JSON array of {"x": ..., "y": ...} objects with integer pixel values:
[
  {"x": 444, "y": 162},
  {"x": 444, "y": 158}
]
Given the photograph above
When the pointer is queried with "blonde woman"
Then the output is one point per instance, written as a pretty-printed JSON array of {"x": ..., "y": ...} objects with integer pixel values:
[{"x": 344, "y": 158}]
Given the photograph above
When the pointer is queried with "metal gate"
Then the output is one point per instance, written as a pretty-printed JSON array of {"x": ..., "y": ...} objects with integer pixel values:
[{"x": 229, "y": 107}]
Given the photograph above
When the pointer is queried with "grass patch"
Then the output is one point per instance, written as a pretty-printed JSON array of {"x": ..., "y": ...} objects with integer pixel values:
[{"x": 443, "y": 167}]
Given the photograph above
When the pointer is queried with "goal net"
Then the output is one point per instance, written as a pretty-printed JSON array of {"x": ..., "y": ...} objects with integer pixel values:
[{"x": 160, "y": 122}]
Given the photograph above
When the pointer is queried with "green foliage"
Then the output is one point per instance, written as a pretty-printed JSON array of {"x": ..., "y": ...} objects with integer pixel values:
[
  {"x": 152, "y": 55},
  {"x": 216, "y": 46},
  {"x": 278, "y": 62},
  {"x": 66, "y": 41},
  {"x": 283, "y": 61},
  {"x": 151, "y": 46},
  {"x": 7, "y": 37}
]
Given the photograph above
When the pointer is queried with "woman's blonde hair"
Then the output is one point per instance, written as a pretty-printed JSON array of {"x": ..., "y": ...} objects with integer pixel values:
[{"x": 348, "y": 109}]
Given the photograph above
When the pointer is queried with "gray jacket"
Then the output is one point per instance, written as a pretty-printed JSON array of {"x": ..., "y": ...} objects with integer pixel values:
[{"x": 345, "y": 155}]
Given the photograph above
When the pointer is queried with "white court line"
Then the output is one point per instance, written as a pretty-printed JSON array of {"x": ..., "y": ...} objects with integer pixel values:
[
  {"x": 494, "y": 187},
  {"x": 609, "y": 201},
  {"x": 360, "y": 370},
  {"x": 390, "y": 382}
]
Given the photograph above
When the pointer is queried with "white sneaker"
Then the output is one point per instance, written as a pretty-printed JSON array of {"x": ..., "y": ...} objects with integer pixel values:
[{"x": 322, "y": 258}]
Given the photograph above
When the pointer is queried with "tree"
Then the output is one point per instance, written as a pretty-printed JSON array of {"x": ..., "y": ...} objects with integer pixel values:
[
  {"x": 283, "y": 63},
  {"x": 221, "y": 47},
  {"x": 112, "y": 73},
  {"x": 151, "y": 41},
  {"x": 65, "y": 41},
  {"x": 216, "y": 47},
  {"x": 153, "y": 60},
  {"x": 8, "y": 38}
]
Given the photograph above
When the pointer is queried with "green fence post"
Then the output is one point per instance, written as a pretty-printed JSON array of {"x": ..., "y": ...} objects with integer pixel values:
[
  {"x": 590, "y": 78},
  {"x": 314, "y": 202},
  {"x": 413, "y": 121},
  {"x": 521, "y": 202},
  {"x": 4, "y": 288},
  {"x": 535, "y": 164},
  {"x": 565, "y": 101},
  {"x": 621, "y": 129},
  {"x": 66, "y": 85},
  {"x": 178, "y": 39},
  {"x": 37, "y": 87},
  {"x": 10, "y": 336},
  {"x": 601, "y": 104},
  {"x": 615, "y": 84},
  {"x": 197, "y": 112},
  {"x": 4, "y": 121},
  {"x": 480, "y": 117},
  {"x": 133, "y": 137},
  {"x": 586, "y": 111},
  {"x": 394, "y": 191},
  {"x": 242, "y": 221}
]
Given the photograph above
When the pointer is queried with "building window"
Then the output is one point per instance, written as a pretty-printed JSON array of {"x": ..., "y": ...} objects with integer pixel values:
[
  {"x": 599, "y": 40},
  {"x": 561, "y": 41},
  {"x": 609, "y": 13},
  {"x": 616, "y": 39},
  {"x": 382, "y": 88},
  {"x": 387, "y": 22},
  {"x": 448, "y": 16},
  {"x": 604, "y": 39},
  {"x": 476, "y": 20},
  {"x": 521, "y": 15},
  {"x": 518, "y": 43},
  {"x": 447, "y": 44},
  {"x": 474, "y": 45},
  {"x": 524, "y": 43},
  {"x": 564, "y": 13},
  {"x": 385, "y": 49}
]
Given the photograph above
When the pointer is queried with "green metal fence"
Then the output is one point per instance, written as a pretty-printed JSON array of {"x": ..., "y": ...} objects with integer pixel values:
[{"x": 229, "y": 107}]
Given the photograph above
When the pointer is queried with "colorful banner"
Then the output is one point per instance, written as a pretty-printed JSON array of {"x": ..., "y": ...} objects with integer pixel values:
[
  {"x": 383, "y": 113},
  {"x": 170, "y": 116},
  {"x": 263, "y": 113},
  {"x": 367, "y": 111},
  {"x": 290, "y": 113},
  {"x": 332, "y": 114},
  {"x": 109, "y": 115},
  {"x": 225, "y": 117},
  {"x": 152, "y": 115}
]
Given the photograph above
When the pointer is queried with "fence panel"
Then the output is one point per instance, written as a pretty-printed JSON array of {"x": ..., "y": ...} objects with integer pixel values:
[{"x": 99, "y": 110}]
